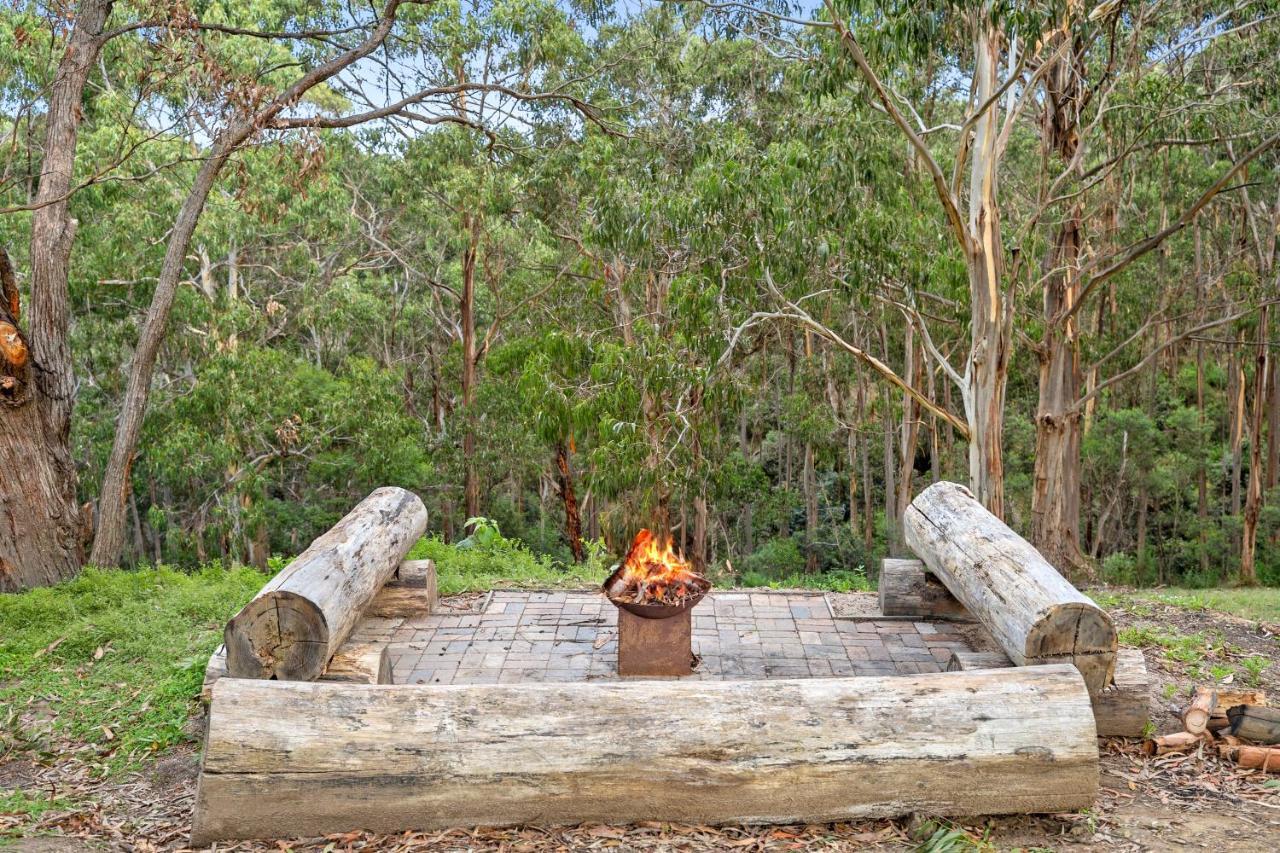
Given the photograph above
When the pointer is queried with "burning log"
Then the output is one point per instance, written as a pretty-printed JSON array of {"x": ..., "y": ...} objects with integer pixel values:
[
  {"x": 653, "y": 573},
  {"x": 655, "y": 589},
  {"x": 289, "y": 758}
]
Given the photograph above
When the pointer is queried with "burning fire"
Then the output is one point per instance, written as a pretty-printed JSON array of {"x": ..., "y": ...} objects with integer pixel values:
[{"x": 654, "y": 573}]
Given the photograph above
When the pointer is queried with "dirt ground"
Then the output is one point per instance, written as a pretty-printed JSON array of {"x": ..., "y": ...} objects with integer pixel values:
[{"x": 1177, "y": 802}]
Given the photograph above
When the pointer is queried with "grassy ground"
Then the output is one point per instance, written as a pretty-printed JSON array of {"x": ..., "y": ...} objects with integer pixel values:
[
  {"x": 1261, "y": 604},
  {"x": 111, "y": 661}
]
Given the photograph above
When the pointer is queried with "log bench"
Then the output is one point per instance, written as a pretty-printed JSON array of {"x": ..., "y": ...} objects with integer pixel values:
[
  {"x": 300, "y": 758},
  {"x": 1120, "y": 710},
  {"x": 301, "y": 617},
  {"x": 365, "y": 657},
  {"x": 1034, "y": 614}
]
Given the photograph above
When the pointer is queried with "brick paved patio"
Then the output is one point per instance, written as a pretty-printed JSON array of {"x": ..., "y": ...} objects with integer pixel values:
[{"x": 572, "y": 636}]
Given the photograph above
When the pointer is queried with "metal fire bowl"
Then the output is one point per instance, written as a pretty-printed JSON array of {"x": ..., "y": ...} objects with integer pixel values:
[{"x": 650, "y": 611}]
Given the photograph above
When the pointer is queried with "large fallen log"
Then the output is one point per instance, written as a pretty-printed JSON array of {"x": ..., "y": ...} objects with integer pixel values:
[
  {"x": 1034, "y": 614},
  {"x": 1120, "y": 710},
  {"x": 908, "y": 589},
  {"x": 288, "y": 758},
  {"x": 302, "y": 615}
]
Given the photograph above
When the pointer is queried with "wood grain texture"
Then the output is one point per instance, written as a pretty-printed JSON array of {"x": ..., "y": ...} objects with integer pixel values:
[
  {"x": 1256, "y": 723},
  {"x": 411, "y": 591},
  {"x": 907, "y": 588},
  {"x": 1121, "y": 710},
  {"x": 360, "y": 663},
  {"x": 287, "y": 758},
  {"x": 301, "y": 617},
  {"x": 1033, "y": 613}
]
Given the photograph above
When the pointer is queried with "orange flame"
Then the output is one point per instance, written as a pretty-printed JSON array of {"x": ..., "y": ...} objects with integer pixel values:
[{"x": 655, "y": 573}]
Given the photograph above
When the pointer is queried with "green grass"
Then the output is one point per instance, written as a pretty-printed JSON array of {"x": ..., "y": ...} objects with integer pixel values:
[
  {"x": 507, "y": 564},
  {"x": 1261, "y": 604},
  {"x": 112, "y": 660}
]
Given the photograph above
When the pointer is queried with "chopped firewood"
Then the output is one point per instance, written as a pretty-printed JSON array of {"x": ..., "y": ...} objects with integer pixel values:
[
  {"x": 1176, "y": 742},
  {"x": 1231, "y": 698},
  {"x": 1264, "y": 758},
  {"x": 1255, "y": 723},
  {"x": 1196, "y": 717}
]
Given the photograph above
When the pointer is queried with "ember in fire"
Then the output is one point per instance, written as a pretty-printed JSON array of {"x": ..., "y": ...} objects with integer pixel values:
[{"x": 655, "y": 573}]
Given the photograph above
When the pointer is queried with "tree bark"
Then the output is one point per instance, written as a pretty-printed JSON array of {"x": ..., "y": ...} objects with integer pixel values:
[
  {"x": 572, "y": 519},
  {"x": 467, "y": 304},
  {"x": 287, "y": 759},
  {"x": 1254, "y": 495},
  {"x": 987, "y": 371},
  {"x": 39, "y": 514}
]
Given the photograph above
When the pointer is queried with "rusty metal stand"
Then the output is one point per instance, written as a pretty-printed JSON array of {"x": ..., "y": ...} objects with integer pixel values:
[{"x": 653, "y": 647}]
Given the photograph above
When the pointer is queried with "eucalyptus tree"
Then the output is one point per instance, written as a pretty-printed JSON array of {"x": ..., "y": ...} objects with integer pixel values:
[
  {"x": 37, "y": 380},
  {"x": 1191, "y": 72},
  {"x": 422, "y": 72}
]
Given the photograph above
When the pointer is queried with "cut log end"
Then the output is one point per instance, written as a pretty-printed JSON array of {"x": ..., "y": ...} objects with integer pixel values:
[{"x": 277, "y": 635}]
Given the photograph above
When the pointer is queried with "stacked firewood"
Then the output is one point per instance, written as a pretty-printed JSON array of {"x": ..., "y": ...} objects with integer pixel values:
[{"x": 1238, "y": 724}]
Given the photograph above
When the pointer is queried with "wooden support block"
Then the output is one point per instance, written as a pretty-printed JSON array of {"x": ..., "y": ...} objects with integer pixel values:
[
  {"x": 411, "y": 592},
  {"x": 360, "y": 663},
  {"x": 907, "y": 588},
  {"x": 1120, "y": 710},
  {"x": 303, "y": 615},
  {"x": 288, "y": 758},
  {"x": 1031, "y": 610},
  {"x": 967, "y": 661},
  {"x": 216, "y": 668}
]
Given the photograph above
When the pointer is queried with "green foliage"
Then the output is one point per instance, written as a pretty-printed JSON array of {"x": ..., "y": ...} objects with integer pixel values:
[
  {"x": 775, "y": 558},
  {"x": 501, "y": 563},
  {"x": 112, "y": 659},
  {"x": 1120, "y": 568}
]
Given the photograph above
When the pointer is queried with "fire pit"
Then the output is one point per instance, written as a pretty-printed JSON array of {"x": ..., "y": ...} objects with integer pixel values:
[{"x": 655, "y": 591}]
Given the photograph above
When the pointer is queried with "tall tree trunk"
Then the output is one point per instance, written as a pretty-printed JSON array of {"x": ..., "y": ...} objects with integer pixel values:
[
  {"x": 909, "y": 433},
  {"x": 108, "y": 544},
  {"x": 1055, "y": 496},
  {"x": 40, "y": 542},
  {"x": 572, "y": 519},
  {"x": 988, "y": 367},
  {"x": 810, "y": 510},
  {"x": 746, "y": 521},
  {"x": 1253, "y": 499},
  {"x": 471, "y": 486},
  {"x": 892, "y": 536}
]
